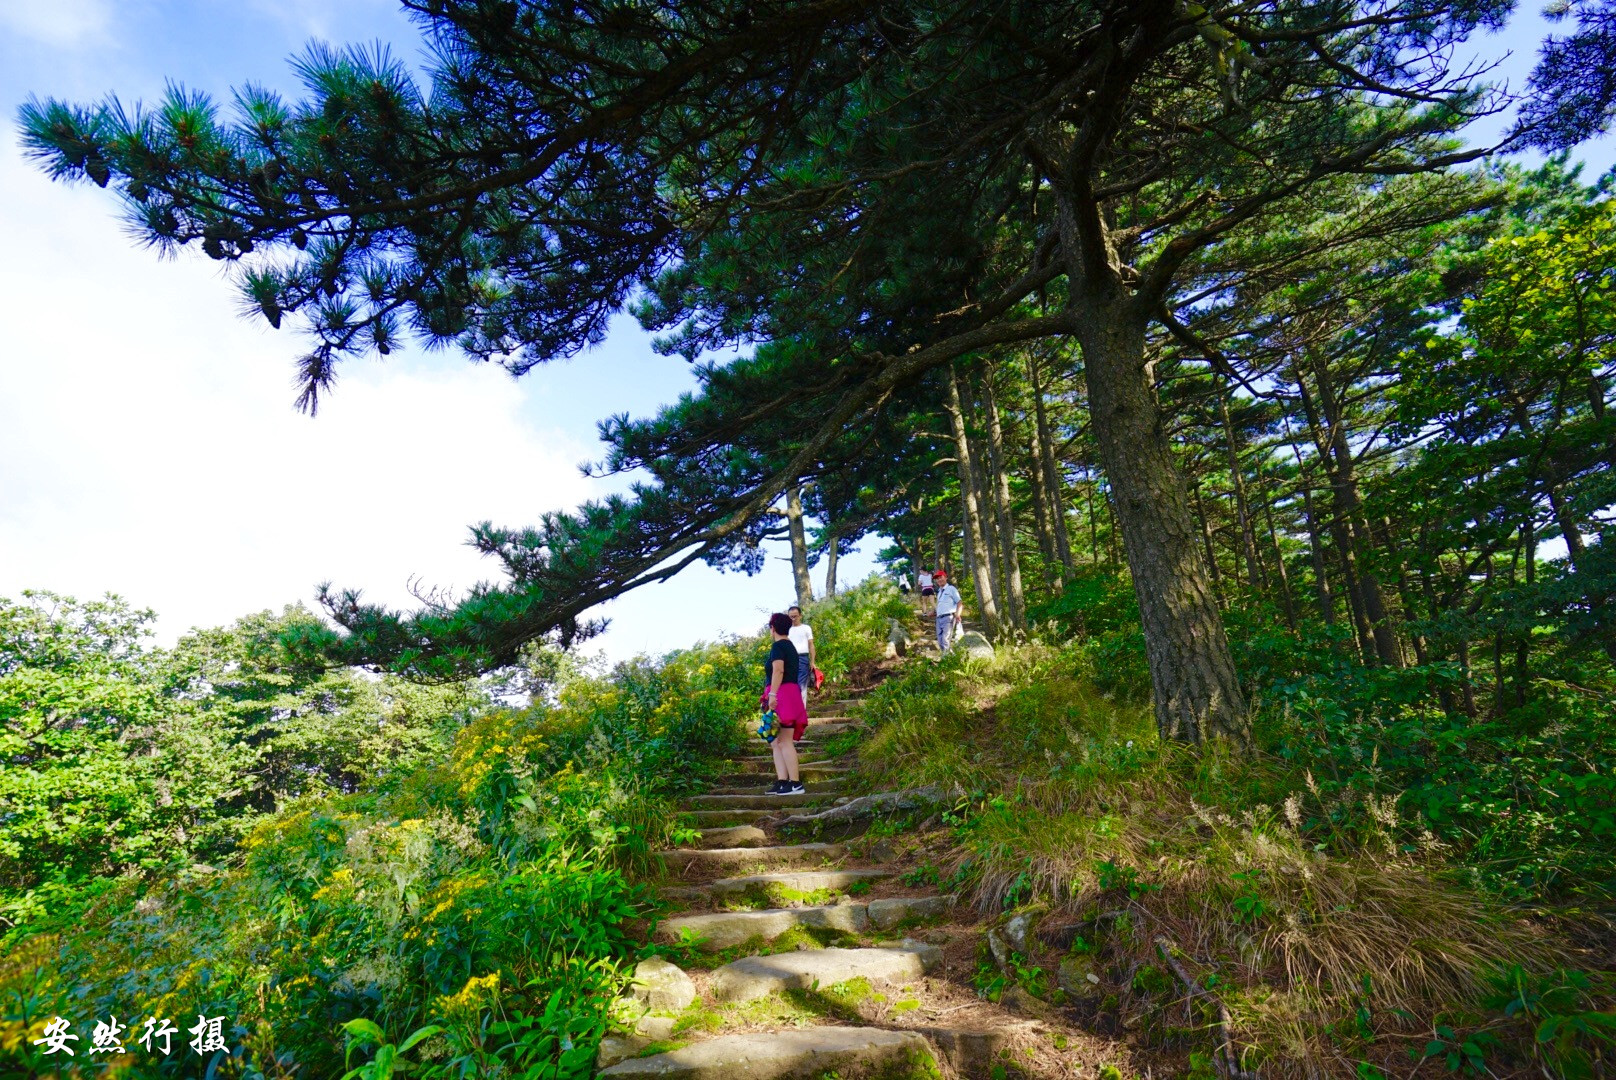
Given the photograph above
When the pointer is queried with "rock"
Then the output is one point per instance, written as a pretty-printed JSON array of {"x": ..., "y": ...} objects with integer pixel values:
[
  {"x": 1022, "y": 1003},
  {"x": 655, "y": 1028},
  {"x": 897, "y": 641},
  {"x": 615, "y": 1048},
  {"x": 1076, "y": 976},
  {"x": 776, "y": 1055},
  {"x": 727, "y": 929},
  {"x": 999, "y": 948},
  {"x": 780, "y": 855},
  {"x": 803, "y": 881},
  {"x": 659, "y": 986},
  {"x": 883, "y": 851},
  {"x": 975, "y": 645},
  {"x": 1018, "y": 930},
  {"x": 885, "y": 914},
  {"x": 931, "y": 956},
  {"x": 759, "y": 976},
  {"x": 739, "y": 836}
]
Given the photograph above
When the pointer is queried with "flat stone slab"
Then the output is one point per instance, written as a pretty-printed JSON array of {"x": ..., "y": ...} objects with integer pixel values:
[
  {"x": 885, "y": 914},
  {"x": 726, "y": 817},
  {"x": 727, "y": 929},
  {"x": 736, "y": 836},
  {"x": 797, "y": 1054},
  {"x": 756, "y": 802},
  {"x": 804, "y": 881},
  {"x": 766, "y": 764},
  {"x": 759, "y": 785},
  {"x": 778, "y": 855},
  {"x": 763, "y": 776},
  {"x": 753, "y": 977}
]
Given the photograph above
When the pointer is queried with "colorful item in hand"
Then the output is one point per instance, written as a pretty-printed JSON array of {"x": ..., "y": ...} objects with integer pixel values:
[{"x": 769, "y": 727}]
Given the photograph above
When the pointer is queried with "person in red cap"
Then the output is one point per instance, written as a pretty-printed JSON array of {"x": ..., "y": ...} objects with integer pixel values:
[{"x": 950, "y": 610}]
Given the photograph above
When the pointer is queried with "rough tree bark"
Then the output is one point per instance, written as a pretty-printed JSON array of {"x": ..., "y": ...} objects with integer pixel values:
[
  {"x": 1197, "y": 695},
  {"x": 799, "y": 545},
  {"x": 975, "y": 546}
]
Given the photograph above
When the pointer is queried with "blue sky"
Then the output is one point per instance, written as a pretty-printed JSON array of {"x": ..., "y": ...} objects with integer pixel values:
[{"x": 148, "y": 438}]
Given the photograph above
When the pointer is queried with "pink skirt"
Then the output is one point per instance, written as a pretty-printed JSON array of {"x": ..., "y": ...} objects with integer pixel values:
[{"x": 789, "y": 708}]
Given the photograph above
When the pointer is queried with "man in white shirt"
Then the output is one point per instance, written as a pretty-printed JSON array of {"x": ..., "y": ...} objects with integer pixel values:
[
  {"x": 950, "y": 610},
  {"x": 802, "y": 639}
]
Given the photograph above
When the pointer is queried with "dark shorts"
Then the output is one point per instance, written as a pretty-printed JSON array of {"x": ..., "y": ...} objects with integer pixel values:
[{"x": 928, "y": 591}]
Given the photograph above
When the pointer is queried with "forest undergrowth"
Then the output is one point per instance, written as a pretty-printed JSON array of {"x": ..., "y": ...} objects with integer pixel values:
[
  {"x": 1378, "y": 889},
  {"x": 468, "y": 908}
]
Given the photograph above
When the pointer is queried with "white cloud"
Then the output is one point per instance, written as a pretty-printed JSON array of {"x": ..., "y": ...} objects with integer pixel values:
[
  {"x": 148, "y": 445},
  {"x": 56, "y": 22}
]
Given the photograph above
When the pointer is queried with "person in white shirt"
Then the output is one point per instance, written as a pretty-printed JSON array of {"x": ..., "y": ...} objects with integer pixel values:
[
  {"x": 950, "y": 611},
  {"x": 926, "y": 591},
  {"x": 802, "y": 639}
]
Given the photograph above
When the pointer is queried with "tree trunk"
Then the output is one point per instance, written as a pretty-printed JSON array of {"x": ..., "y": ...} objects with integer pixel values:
[
  {"x": 799, "y": 545},
  {"x": 830, "y": 566},
  {"x": 1248, "y": 533},
  {"x": 975, "y": 546},
  {"x": 1049, "y": 474},
  {"x": 1094, "y": 525},
  {"x": 1206, "y": 540},
  {"x": 1054, "y": 575},
  {"x": 1339, "y": 531},
  {"x": 1321, "y": 580},
  {"x": 1004, "y": 513},
  {"x": 1286, "y": 602},
  {"x": 1197, "y": 695},
  {"x": 1345, "y": 487}
]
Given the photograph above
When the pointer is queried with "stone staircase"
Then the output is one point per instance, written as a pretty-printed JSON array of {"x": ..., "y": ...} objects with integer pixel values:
[{"x": 810, "y": 958}]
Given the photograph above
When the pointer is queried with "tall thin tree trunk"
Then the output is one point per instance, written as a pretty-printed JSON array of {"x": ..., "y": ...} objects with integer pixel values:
[
  {"x": 1345, "y": 550},
  {"x": 975, "y": 546},
  {"x": 1054, "y": 571},
  {"x": 1004, "y": 513},
  {"x": 1094, "y": 524},
  {"x": 1286, "y": 602},
  {"x": 830, "y": 566},
  {"x": 1315, "y": 543},
  {"x": 1197, "y": 695},
  {"x": 1248, "y": 535},
  {"x": 1049, "y": 473},
  {"x": 1343, "y": 477},
  {"x": 1206, "y": 540},
  {"x": 799, "y": 545}
]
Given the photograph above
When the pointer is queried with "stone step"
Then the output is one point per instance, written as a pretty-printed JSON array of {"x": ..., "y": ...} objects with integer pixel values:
[
  {"x": 725, "y": 818},
  {"x": 759, "y": 785},
  {"x": 683, "y": 860},
  {"x": 753, "y": 977},
  {"x": 727, "y": 929},
  {"x": 807, "y": 772},
  {"x": 765, "y": 765},
  {"x": 736, "y": 836},
  {"x": 799, "y": 881},
  {"x": 757, "y": 802},
  {"x": 798, "y": 1053}
]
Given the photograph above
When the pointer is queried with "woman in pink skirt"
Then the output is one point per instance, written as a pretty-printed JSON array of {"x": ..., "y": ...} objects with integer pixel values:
[{"x": 783, "y": 696}]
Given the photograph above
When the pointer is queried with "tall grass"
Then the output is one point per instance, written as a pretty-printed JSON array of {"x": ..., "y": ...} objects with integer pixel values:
[{"x": 1329, "y": 923}]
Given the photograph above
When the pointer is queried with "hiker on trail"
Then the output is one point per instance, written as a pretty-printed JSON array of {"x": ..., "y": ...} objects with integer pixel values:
[
  {"x": 802, "y": 639},
  {"x": 950, "y": 611},
  {"x": 782, "y": 695},
  {"x": 926, "y": 591}
]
